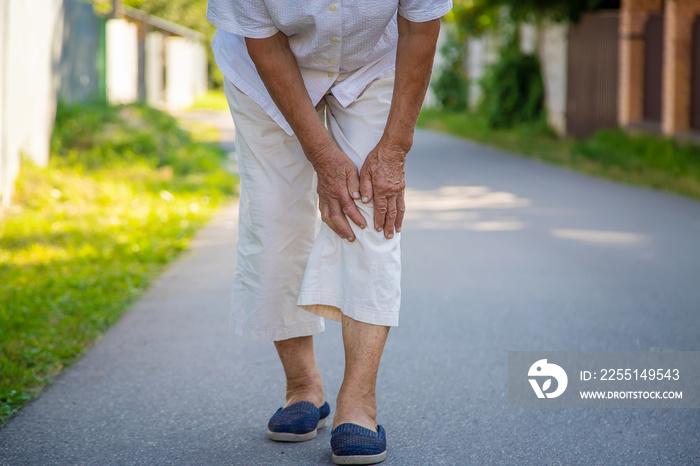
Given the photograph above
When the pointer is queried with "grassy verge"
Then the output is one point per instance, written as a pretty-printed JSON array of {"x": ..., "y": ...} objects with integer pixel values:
[
  {"x": 212, "y": 100},
  {"x": 125, "y": 190},
  {"x": 645, "y": 160}
]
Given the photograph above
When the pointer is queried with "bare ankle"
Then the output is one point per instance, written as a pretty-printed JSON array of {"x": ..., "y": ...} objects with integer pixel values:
[
  {"x": 304, "y": 382},
  {"x": 308, "y": 387},
  {"x": 356, "y": 410}
]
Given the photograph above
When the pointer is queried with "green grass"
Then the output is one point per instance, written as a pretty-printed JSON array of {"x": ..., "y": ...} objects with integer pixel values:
[
  {"x": 125, "y": 190},
  {"x": 212, "y": 100},
  {"x": 645, "y": 160}
]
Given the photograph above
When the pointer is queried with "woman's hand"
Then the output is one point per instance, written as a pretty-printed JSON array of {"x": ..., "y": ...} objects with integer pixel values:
[
  {"x": 382, "y": 174},
  {"x": 382, "y": 179},
  {"x": 338, "y": 185},
  {"x": 338, "y": 180}
]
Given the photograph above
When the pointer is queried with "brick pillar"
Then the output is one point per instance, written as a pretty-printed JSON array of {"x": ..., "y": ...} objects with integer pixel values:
[
  {"x": 633, "y": 18},
  {"x": 678, "y": 30}
]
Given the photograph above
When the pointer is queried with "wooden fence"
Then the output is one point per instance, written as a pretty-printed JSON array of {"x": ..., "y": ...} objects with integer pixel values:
[{"x": 592, "y": 74}]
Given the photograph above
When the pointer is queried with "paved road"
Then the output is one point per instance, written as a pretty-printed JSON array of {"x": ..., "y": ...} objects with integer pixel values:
[{"x": 500, "y": 253}]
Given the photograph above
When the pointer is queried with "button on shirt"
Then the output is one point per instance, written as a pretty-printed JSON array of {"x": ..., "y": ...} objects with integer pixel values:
[{"x": 340, "y": 45}]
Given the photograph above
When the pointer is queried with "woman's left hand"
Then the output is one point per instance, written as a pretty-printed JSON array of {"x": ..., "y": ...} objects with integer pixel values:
[{"x": 382, "y": 179}]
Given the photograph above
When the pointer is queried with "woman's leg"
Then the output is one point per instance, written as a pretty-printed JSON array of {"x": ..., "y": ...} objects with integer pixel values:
[
  {"x": 358, "y": 283},
  {"x": 357, "y": 402},
  {"x": 304, "y": 381},
  {"x": 277, "y": 225}
]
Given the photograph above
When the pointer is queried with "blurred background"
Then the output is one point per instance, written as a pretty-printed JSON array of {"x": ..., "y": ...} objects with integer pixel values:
[
  {"x": 101, "y": 185},
  {"x": 569, "y": 68}
]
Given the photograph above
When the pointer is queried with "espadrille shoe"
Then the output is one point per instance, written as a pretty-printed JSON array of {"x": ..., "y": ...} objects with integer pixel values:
[
  {"x": 297, "y": 422},
  {"x": 354, "y": 444}
]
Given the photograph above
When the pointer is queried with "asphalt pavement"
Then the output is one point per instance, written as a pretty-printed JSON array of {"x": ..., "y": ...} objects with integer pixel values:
[{"x": 500, "y": 253}]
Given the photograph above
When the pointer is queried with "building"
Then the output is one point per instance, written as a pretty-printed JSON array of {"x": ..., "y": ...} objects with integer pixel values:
[{"x": 659, "y": 70}]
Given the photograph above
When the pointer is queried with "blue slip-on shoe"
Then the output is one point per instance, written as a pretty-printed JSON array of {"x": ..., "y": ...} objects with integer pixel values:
[
  {"x": 354, "y": 444},
  {"x": 297, "y": 422}
]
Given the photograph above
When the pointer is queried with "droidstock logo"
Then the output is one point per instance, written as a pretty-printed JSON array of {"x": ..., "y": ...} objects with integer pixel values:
[{"x": 546, "y": 372}]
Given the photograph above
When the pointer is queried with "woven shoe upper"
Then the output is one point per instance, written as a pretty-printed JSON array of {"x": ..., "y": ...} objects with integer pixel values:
[
  {"x": 298, "y": 418},
  {"x": 353, "y": 440},
  {"x": 324, "y": 410}
]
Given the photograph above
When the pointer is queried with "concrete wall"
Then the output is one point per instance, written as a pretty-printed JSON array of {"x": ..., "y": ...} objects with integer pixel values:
[
  {"x": 28, "y": 101},
  {"x": 201, "y": 76},
  {"x": 550, "y": 42},
  {"x": 183, "y": 83},
  {"x": 122, "y": 61},
  {"x": 552, "y": 49},
  {"x": 481, "y": 52},
  {"x": 155, "y": 68},
  {"x": 528, "y": 33}
]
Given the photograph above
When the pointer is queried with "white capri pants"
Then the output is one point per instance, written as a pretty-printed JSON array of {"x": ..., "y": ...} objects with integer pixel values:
[{"x": 292, "y": 270}]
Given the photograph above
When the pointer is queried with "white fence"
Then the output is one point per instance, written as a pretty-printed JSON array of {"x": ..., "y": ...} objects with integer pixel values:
[
  {"x": 54, "y": 49},
  {"x": 28, "y": 32},
  {"x": 186, "y": 74},
  {"x": 122, "y": 61}
]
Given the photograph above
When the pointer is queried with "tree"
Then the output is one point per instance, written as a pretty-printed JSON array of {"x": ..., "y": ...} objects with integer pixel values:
[
  {"x": 476, "y": 16},
  {"x": 189, "y": 13}
]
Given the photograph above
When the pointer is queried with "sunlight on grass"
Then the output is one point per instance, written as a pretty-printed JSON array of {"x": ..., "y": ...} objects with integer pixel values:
[
  {"x": 125, "y": 191},
  {"x": 200, "y": 131},
  {"x": 212, "y": 100}
]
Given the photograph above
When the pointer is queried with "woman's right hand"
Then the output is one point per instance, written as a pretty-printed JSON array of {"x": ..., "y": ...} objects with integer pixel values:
[
  {"x": 338, "y": 187},
  {"x": 338, "y": 177}
]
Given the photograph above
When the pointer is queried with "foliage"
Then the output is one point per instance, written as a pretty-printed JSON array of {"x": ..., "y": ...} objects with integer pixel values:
[
  {"x": 473, "y": 17},
  {"x": 102, "y": 7},
  {"x": 512, "y": 88},
  {"x": 643, "y": 152},
  {"x": 643, "y": 159},
  {"x": 124, "y": 191},
  {"x": 557, "y": 9},
  {"x": 188, "y": 13},
  {"x": 476, "y": 16},
  {"x": 124, "y": 136},
  {"x": 451, "y": 86}
]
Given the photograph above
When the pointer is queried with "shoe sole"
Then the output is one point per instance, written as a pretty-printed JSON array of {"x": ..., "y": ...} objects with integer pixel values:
[
  {"x": 289, "y": 437},
  {"x": 360, "y": 459}
]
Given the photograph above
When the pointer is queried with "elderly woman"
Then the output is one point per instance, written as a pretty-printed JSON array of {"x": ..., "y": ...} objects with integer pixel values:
[{"x": 325, "y": 97}]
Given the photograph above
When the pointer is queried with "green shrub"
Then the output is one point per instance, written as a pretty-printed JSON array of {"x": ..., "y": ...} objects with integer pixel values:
[
  {"x": 451, "y": 86},
  {"x": 512, "y": 89},
  {"x": 96, "y": 136},
  {"x": 642, "y": 159},
  {"x": 642, "y": 152}
]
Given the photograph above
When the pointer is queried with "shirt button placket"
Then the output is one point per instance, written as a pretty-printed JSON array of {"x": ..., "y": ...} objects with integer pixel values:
[{"x": 335, "y": 21}]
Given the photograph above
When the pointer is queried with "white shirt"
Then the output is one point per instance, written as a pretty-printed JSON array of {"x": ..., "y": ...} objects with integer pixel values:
[{"x": 340, "y": 45}]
